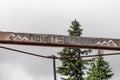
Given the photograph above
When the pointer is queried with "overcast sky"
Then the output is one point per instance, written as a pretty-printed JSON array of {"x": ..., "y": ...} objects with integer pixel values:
[{"x": 99, "y": 18}]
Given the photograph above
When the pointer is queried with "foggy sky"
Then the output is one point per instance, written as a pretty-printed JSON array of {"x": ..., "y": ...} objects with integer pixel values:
[{"x": 99, "y": 18}]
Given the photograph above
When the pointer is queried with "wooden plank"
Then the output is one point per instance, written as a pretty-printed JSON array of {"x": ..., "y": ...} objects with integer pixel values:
[{"x": 59, "y": 40}]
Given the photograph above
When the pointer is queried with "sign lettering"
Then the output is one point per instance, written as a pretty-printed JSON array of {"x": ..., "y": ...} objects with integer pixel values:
[{"x": 59, "y": 40}]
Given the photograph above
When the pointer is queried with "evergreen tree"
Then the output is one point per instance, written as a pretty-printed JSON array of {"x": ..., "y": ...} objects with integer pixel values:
[
  {"x": 100, "y": 69},
  {"x": 73, "y": 68}
]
